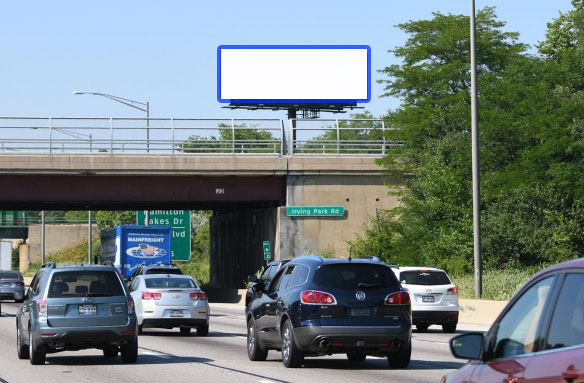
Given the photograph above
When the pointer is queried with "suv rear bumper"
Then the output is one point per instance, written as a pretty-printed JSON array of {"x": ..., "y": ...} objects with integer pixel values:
[
  {"x": 432, "y": 317},
  {"x": 50, "y": 339},
  {"x": 340, "y": 339}
]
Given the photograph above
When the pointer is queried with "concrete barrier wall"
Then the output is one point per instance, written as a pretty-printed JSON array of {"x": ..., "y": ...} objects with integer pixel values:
[
  {"x": 57, "y": 237},
  {"x": 480, "y": 311}
]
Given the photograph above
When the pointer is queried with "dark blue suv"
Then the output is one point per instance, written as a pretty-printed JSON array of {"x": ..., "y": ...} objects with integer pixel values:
[{"x": 316, "y": 307}]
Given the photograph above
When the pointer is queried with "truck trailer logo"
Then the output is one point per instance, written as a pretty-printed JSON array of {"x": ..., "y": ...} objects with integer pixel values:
[{"x": 145, "y": 250}]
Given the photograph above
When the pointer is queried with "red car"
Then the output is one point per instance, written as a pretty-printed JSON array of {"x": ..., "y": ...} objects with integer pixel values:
[{"x": 539, "y": 336}]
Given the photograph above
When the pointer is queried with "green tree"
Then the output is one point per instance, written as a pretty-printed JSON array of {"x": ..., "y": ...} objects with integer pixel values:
[
  {"x": 112, "y": 218},
  {"x": 531, "y": 137},
  {"x": 241, "y": 139}
]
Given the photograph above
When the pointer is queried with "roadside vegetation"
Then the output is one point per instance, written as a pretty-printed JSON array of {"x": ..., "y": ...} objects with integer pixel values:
[{"x": 531, "y": 121}]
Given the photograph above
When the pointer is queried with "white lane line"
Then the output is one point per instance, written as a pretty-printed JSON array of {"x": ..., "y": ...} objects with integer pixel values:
[{"x": 266, "y": 381}]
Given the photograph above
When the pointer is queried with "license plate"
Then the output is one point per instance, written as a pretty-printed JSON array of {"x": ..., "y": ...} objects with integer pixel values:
[
  {"x": 360, "y": 312},
  {"x": 85, "y": 310},
  {"x": 176, "y": 313},
  {"x": 427, "y": 299}
]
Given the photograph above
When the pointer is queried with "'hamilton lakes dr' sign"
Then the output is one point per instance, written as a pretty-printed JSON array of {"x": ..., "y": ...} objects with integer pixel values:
[{"x": 315, "y": 211}]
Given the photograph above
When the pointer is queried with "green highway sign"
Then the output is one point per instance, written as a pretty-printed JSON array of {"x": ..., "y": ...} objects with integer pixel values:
[
  {"x": 180, "y": 221},
  {"x": 315, "y": 211},
  {"x": 267, "y": 255}
]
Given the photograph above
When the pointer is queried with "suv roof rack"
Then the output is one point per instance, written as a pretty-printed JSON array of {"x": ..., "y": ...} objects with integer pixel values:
[{"x": 52, "y": 265}]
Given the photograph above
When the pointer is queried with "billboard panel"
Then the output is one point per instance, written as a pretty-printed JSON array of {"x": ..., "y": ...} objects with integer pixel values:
[{"x": 293, "y": 73}]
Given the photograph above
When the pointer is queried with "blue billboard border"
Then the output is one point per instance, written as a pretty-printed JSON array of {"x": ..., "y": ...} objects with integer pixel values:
[{"x": 285, "y": 101}]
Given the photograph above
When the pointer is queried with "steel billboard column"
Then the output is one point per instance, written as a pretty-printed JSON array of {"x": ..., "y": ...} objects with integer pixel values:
[
  {"x": 476, "y": 200},
  {"x": 89, "y": 240}
]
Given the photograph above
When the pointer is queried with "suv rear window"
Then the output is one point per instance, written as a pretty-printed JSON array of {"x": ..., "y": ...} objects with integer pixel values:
[
  {"x": 85, "y": 283},
  {"x": 9, "y": 275},
  {"x": 424, "y": 277},
  {"x": 164, "y": 283},
  {"x": 354, "y": 275}
]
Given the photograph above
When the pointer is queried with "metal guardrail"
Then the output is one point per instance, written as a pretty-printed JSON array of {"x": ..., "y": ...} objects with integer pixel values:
[{"x": 182, "y": 136}]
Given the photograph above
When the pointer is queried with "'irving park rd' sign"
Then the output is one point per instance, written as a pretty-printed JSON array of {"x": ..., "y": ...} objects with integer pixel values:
[{"x": 315, "y": 211}]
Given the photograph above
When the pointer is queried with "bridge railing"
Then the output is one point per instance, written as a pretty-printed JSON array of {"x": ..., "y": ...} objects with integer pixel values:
[{"x": 183, "y": 136}]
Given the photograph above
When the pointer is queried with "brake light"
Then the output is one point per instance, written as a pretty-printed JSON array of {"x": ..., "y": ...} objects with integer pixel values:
[
  {"x": 42, "y": 307},
  {"x": 311, "y": 297},
  {"x": 19, "y": 283},
  {"x": 131, "y": 308},
  {"x": 452, "y": 291},
  {"x": 148, "y": 296},
  {"x": 198, "y": 296},
  {"x": 399, "y": 298}
]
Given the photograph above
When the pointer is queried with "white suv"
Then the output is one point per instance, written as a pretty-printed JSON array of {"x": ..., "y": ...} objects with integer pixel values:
[{"x": 434, "y": 297}]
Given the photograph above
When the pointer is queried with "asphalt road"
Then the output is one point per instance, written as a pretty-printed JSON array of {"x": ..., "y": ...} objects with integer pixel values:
[{"x": 166, "y": 356}]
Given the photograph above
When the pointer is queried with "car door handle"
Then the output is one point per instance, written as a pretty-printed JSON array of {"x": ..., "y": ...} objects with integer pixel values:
[{"x": 571, "y": 374}]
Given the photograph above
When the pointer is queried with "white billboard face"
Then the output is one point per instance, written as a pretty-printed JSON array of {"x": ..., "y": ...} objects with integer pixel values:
[{"x": 282, "y": 74}]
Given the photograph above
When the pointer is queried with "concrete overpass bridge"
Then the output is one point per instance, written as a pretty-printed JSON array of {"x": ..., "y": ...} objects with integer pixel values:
[{"x": 247, "y": 171}]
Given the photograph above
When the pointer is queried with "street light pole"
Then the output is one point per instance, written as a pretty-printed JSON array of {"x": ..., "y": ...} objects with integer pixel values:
[
  {"x": 131, "y": 103},
  {"x": 476, "y": 194}
]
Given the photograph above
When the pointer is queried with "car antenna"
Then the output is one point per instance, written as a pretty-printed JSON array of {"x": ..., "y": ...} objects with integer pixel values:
[{"x": 350, "y": 253}]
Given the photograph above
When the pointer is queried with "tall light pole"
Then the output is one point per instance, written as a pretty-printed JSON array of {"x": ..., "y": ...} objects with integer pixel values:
[
  {"x": 476, "y": 194},
  {"x": 132, "y": 104}
]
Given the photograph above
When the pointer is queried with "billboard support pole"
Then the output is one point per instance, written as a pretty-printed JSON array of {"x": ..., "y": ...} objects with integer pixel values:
[{"x": 292, "y": 119}]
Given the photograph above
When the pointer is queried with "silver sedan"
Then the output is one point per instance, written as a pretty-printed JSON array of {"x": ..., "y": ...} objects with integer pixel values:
[{"x": 169, "y": 301}]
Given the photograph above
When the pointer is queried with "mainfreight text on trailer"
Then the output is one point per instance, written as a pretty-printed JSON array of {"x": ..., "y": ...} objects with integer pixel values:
[{"x": 128, "y": 246}]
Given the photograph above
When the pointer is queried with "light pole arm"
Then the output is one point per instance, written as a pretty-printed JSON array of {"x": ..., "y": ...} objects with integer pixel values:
[{"x": 122, "y": 100}]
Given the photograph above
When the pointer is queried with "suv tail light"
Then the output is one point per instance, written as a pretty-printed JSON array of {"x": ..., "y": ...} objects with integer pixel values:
[
  {"x": 131, "y": 308},
  {"x": 19, "y": 283},
  {"x": 198, "y": 296},
  {"x": 42, "y": 307},
  {"x": 452, "y": 291},
  {"x": 399, "y": 298},
  {"x": 311, "y": 297},
  {"x": 148, "y": 296}
]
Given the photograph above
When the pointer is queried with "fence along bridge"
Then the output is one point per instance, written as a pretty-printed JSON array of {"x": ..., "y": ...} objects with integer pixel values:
[{"x": 201, "y": 137}]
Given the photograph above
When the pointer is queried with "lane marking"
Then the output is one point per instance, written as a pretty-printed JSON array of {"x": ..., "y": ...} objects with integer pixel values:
[{"x": 155, "y": 354}]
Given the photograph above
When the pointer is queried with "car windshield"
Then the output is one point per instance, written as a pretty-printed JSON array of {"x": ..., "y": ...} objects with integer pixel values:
[
  {"x": 163, "y": 271},
  {"x": 170, "y": 283},
  {"x": 85, "y": 283},
  {"x": 424, "y": 277},
  {"x": 9, "y": 275},
  {"x": 354, "y": 275}
]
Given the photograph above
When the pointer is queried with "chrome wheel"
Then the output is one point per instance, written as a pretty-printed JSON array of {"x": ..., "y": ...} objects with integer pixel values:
[{"x": 286, "y": 338}]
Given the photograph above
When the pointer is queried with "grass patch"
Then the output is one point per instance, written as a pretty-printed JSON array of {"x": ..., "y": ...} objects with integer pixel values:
[
  {"x": 32, "y": 269},
  {"x": 498, "y": 285}
]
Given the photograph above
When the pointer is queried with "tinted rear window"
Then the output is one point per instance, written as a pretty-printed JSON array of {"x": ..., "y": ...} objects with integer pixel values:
[
  {"x": 424, "y": 277},
  {"x": 172, "y": 283},
  {"x": 85, "y": 283},
  {"x": 163, "y": 271},
  {"x": 354, "y": 275},
  {"x": 9, "y": 275}
]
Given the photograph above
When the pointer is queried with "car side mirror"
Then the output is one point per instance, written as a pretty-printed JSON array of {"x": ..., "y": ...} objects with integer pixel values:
[
  {"x": 252, "y": 278},
  {"x": 467, "y": 346}
]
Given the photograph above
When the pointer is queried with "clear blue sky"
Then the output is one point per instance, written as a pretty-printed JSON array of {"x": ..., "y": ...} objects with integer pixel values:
[{"x": 165, "y": 51}]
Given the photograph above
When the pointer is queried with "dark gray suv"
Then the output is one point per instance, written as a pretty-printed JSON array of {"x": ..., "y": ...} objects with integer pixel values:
[{"x": 69, "y": 308}]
